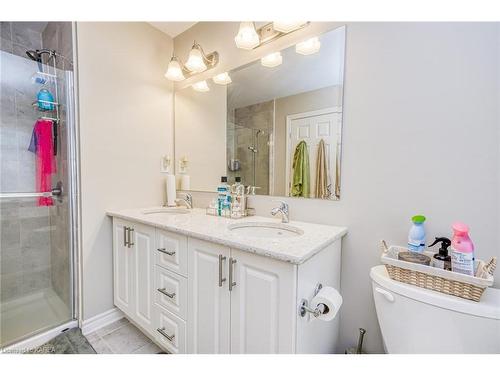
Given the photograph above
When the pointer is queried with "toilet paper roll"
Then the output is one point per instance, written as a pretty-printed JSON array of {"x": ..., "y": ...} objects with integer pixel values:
[
  {"x": 185, "y": 182},
  {"x": 170, "y": 190},
  {"x": 331, "y": 298}
]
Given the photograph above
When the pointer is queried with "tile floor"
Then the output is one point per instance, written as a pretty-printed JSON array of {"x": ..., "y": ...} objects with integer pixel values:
[{"x": 121, "y": 337}]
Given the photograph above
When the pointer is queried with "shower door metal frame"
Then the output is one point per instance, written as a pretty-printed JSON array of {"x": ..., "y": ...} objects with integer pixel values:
[{"x": 74, "y": 190}]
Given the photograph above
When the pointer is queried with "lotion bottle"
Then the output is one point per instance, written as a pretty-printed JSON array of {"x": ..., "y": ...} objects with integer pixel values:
[{"x": 462, "y": 250}]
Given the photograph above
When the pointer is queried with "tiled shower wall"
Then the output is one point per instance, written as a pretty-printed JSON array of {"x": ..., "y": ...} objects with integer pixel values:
[
  {"x": 34, "y": 252},
  {"x": 248, "y": 121}
]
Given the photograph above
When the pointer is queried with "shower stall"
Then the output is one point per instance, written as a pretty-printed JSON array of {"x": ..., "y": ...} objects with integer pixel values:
[
  {"x": 38, "y": 180},
  {"x": 249, "y": 134}
]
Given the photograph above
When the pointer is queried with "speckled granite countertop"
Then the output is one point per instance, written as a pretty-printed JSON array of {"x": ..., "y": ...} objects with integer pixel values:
[{"x": 198, "y": 224}]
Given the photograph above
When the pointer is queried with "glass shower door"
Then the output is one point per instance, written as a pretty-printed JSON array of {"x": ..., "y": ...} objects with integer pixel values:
[{"x": 36, "y": 258}]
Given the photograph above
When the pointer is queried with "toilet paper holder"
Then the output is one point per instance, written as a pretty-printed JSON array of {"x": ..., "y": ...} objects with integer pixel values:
[{"x": 318, "y": 310}]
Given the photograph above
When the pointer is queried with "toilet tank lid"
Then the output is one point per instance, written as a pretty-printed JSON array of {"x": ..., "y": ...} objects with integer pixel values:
[{"x": 487, "y": 307}]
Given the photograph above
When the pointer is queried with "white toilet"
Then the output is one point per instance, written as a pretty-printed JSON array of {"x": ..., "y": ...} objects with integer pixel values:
[{"x": 417, "y": 320}]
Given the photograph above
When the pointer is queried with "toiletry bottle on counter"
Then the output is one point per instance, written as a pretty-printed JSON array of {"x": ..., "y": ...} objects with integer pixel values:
[
  {"x": 462, "y": 250},
  {"x": 416, "y": 237},
  {"x": 442, "y": 259},
  {"x": 238, "y": 200},
  {"x": 223, "y": 196}
]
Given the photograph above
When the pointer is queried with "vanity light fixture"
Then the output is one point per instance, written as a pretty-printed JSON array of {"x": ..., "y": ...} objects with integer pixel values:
[
  {"x": 308, "y": 47},
  {"x": 174, "y": 70},
  {"x": 272, "y": 60},
  {"x": 201, "y": 86},
  {"x": 287, "y": 26},
  {"x": 222, "y": 79},
  {"x": 247, "y": 37},
  {"x": 197, "y": 62}
]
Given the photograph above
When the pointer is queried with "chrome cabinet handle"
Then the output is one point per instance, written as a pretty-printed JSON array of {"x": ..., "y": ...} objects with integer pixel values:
[
  {"x": 221, "y": 279},
  {"x": 231, "y": 271},
  {"x": 125, "y": 229},
  {"x": 162, "y": 332},
  {"x": 164, "y": 291},
  {"x": 130, "y": 243},
  {"x": 164, "y": 251}
]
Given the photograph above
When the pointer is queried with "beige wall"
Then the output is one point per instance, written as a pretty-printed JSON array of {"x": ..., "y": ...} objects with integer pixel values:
[
  {"x": 420, "y": 135},
  {"x": 200, "y": 135},
  {"x": 125, "y": 128},
  {"x": 305, "y": 102}
]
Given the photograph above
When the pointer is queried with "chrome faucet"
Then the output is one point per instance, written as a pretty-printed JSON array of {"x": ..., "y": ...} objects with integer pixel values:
[
  {"x": 251, "y": 189},
  {"x": 283, "y": 210},
  {"x": 187, "y": 200}
]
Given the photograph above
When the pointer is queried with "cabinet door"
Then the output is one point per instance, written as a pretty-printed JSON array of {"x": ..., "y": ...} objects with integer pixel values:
[
  {"x": 263, "y": 312},
  {"x": 122, "y": 263},
  {"x": 143, "y": 274},
  {"x": 209, "y": 300}
]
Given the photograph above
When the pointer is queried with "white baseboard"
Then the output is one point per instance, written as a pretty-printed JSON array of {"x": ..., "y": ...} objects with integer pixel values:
[
  {"x": 38, "y": 340},
  {"x": 101, "y": 320}
]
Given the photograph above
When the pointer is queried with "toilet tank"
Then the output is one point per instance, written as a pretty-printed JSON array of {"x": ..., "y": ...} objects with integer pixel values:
[{"x": 416, "y": 320}]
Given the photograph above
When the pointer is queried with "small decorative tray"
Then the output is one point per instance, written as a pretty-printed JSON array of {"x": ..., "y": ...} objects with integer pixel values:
[
  {"x": 230, "y": 214},
  {"x": 439, "y": 280}
]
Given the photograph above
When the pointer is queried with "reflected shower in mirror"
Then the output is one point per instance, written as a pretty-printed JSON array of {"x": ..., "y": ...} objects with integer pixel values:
[{"x": 277, "y": 125}]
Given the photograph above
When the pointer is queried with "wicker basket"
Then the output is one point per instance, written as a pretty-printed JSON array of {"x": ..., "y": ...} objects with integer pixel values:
[{"x": 455, "y": 284}]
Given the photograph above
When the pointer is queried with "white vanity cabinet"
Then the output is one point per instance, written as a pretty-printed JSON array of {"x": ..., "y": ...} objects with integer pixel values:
[
  {"x": 209, "y": 298},
  {"x": 197, "y": 296},
  {"x": 133, "y": 275},
  {"x": 263, "y": 309}
]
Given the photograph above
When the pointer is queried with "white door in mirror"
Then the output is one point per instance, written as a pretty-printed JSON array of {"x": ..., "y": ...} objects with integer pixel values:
[{"x": 312, "y": 127}]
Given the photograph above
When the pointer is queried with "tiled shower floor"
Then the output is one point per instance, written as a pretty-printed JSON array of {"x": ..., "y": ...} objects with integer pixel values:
[{"x": 29, "y": 314}]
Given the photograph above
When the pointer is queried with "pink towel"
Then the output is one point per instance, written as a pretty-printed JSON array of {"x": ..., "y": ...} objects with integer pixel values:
[{"x": 43, "y": 145}]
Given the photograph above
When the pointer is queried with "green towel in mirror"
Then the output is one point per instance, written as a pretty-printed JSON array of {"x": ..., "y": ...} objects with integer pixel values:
[{"x": 301, "y": 173}]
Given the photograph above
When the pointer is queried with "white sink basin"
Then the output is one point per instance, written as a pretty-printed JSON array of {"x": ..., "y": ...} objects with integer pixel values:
[
  {"x": 266, "y": 230},
  {"x": 166, "y": 211}
]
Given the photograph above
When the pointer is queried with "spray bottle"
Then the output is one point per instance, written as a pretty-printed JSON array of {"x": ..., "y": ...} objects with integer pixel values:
[{"x": 442, "y": 259}]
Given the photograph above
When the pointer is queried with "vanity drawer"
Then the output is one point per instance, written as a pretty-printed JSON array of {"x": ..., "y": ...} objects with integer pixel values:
[
  {"x": 171, "y": 291},
  {"x": 169, "y": 331},
  {"x": 171, "y": 251}
]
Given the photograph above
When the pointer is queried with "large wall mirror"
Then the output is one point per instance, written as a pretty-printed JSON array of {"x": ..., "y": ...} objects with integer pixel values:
[{"x": 278, "y": 128}]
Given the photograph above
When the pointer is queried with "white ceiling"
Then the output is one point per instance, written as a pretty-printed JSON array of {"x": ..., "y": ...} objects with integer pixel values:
[{"x": 172, "y": 29}]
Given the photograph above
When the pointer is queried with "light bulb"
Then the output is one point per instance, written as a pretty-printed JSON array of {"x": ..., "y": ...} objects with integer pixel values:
[
  {"x": 287, "y": 26},
  {"x": 308, "y": 47},
  {"x": 195, "y": 61},
  {"x": 247, "y": 37},
  {"x": 174, "y": 70},
  {"x": 201, "y": 86},
  {"x": 272, "y": 60},
  {"x": 222, "y": 79}
]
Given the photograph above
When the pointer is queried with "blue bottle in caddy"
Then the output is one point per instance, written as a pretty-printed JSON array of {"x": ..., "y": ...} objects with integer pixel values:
[{"x": 45, "y": 100}]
